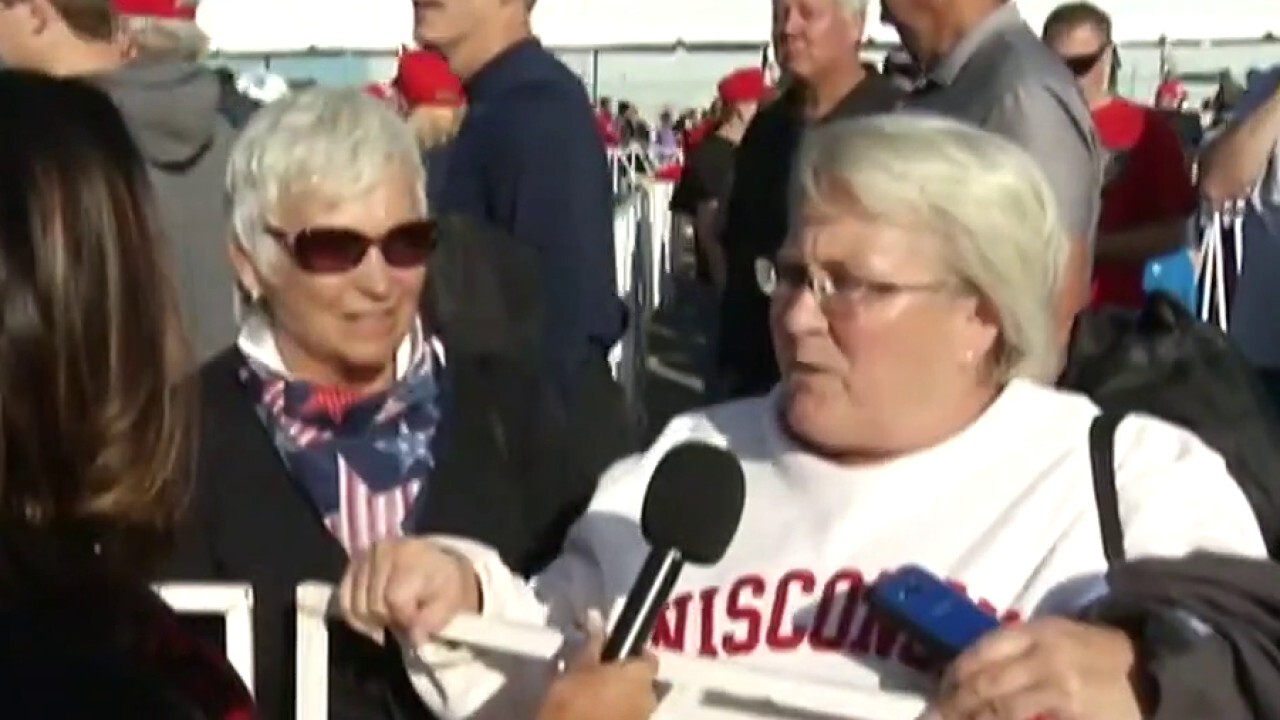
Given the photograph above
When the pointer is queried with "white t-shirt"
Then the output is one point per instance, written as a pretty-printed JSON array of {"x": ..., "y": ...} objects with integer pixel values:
[
  {"x": 1255, "y": 326},
  {"x": 1005, "y": 509}
]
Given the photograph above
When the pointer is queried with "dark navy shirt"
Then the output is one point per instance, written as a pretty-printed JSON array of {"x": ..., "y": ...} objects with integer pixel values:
[
  {"x": 436, "y": 161},
  {"x": 529, "y": 160}
]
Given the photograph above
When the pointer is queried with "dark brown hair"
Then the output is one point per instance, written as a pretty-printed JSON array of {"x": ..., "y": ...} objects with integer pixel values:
[
  {"x": 94, "y": 427},
  {"x": 1070, "y": 16}
]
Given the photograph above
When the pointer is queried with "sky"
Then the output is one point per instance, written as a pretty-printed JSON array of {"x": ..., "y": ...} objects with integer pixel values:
[{"x": 291, "y": 25}]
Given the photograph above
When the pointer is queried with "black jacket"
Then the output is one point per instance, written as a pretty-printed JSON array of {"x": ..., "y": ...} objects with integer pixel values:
[
  {"x": 1208, "y": 630},
  {"x": 82, "y": 636},
  {"x": 507, "y": 473}
]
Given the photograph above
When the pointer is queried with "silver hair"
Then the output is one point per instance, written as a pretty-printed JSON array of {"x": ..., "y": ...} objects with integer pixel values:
[
  {"x": 326, "y": 143},
  {"x": 165, "y": 37},
  {"x": 981, "y": 198},
  {"x": 851, "y": 7}
]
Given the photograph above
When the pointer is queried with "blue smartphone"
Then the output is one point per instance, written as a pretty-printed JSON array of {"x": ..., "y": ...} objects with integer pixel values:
[{"x": 939, "y": 617}]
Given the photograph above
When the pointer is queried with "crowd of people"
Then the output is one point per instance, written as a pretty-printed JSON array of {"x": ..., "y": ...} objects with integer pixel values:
[{"x": 360, "y": 335}]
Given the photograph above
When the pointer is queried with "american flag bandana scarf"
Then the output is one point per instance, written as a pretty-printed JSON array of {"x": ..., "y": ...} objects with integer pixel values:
[{"x": 362, "y": 463}]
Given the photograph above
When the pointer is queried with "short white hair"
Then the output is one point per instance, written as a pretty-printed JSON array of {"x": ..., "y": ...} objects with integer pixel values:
[
  {"x": 325, "y": 143},
  {"x": 981, "y": 198},
  {"x": 850, "y": 7},
  {"x": 153, "y": 37}
]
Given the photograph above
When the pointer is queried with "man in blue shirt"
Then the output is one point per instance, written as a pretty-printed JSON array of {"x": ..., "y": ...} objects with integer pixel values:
[{"x": 529, "y": 160}]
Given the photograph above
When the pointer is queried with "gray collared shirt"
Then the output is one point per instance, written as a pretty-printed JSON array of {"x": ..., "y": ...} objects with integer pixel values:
[{"x": 1002, "y": 78}]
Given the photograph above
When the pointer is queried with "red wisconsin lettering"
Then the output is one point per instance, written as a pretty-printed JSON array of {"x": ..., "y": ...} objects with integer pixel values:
[
  {"x": 843, "y": 588},
  {"x": 740, "y": 610},
  {"x": 707, "y": 621},
  {"x": 776, "y": 638},
  {"x": 874, "y": 637},
  {"x": 673, "y": 623}
]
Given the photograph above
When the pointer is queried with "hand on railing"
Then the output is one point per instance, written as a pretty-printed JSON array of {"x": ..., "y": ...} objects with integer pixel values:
[
  {"x": 757, "y": 695},
  {"x": 411, "y": 585}
]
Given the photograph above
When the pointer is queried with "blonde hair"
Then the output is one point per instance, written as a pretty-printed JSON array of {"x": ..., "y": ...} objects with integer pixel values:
[{"x": 981, "y": 198}]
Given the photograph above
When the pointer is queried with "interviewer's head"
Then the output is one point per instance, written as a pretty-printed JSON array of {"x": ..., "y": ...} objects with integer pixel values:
[
  {"x": 939, "y": 252},
  {"x": 331, "y": 231},
  {"x": 92, "y": 430}
]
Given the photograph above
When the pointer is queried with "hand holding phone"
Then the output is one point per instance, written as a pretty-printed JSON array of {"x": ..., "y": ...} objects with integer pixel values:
[{"x": 942, "y": 619}]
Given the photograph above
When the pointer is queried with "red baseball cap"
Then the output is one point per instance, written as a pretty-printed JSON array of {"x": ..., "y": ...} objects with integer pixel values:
[
  {"x": 743, "y": 86},
  {"x": 423, "y": 77},
  {"x": 163, "y": 9}
]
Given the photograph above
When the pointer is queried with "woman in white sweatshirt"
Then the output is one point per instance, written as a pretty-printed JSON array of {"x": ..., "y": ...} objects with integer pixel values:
[{"x": 913, "y": 316}]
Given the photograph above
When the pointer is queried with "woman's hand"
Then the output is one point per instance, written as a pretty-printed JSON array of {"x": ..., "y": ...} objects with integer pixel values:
[
  {"x": 411, "y": 585},
  {"x": 591, "y": 690},
  {"x": 1051, "y": 668}
]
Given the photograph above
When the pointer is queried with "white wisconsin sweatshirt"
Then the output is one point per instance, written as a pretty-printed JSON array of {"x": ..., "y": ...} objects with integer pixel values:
[{"x": 1004, "y": 510}]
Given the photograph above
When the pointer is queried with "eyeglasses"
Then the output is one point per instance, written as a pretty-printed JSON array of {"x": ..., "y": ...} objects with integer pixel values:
[
  {"x": 330, "y": 250},
  {"x": 1080, "y": 65},
  {"x": 832, "y": 291}
]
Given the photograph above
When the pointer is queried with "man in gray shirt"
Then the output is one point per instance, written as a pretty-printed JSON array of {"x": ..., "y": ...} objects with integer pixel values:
[
  {"x": 170, "y": 102},
  {"x": 984, "y": 65}
]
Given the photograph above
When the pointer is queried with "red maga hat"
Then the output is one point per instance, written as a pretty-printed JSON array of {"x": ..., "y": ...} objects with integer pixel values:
[
  {"x": 164, "y": 9},
  {"x": 743, "y": 86},
  {"x": 424, "y": 78}
]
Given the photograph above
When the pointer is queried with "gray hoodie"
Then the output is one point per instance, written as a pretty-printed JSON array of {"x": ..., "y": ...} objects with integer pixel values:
[{"x": 172, "y": 109}]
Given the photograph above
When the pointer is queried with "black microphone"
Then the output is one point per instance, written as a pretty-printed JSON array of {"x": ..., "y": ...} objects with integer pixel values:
[{"x": 691, "y": 512}]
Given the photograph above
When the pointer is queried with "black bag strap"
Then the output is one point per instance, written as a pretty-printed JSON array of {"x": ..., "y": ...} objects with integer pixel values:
[{"x": 1102, "y": 457}]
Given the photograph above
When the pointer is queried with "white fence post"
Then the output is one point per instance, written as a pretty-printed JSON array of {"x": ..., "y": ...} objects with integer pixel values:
[{"x": 233, "y": 601}]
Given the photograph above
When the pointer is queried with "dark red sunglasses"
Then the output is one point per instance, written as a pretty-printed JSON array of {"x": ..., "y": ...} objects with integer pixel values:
[{"x": 335, "y": 250}]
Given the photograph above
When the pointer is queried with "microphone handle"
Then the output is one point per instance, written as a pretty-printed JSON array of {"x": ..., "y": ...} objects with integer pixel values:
[{"x": 649, "y": 594}]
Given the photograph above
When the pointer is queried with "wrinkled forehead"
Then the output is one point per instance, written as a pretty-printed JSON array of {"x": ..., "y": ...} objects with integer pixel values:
[
  {"x": 827, "y": 235},
  {"x": 372, "y": 211}
]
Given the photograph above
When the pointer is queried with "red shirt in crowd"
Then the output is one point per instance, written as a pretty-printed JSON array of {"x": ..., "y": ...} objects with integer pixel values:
[
  {"x": 608, "y": 128},
  {"x": 1146, "y": 182},
  {"x": 697, "y": 134}
]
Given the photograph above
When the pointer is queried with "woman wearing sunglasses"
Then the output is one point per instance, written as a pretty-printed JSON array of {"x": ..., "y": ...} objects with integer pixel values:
[{"x": 343, "y": 416}]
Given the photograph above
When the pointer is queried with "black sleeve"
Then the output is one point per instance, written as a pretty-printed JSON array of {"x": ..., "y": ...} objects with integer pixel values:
[
  {"x": 740, "y": 217},
  {"x": 714, "y": 172},
  {"x": 564, "y": 454},
  {"x": 514, "y": 473},
  {"x": 687, "y": 194}
]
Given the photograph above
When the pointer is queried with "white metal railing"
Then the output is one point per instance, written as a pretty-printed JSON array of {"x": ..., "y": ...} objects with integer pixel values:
[
  {"x": 642, "y": 237},
  {"x": 700, "y": 689},
  {"x": 234, "y": 602},
  {"x": 628, "y": 164}
]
